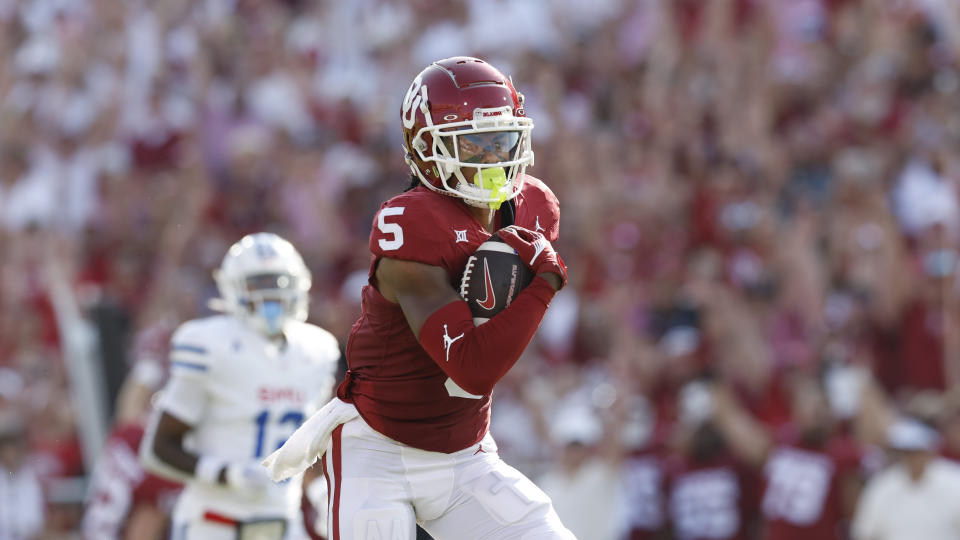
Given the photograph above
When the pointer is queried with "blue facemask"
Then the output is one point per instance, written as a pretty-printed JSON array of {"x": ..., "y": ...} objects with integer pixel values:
[{"x": 273, "y": 313}]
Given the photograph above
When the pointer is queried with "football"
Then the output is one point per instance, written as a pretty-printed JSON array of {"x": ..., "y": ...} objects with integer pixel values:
[{"x": 492, "y": 279}]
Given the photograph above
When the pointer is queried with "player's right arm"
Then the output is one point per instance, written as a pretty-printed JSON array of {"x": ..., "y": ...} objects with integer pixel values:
[
  {"x": 167, "y": 446},
  {"x": 181, "y": 407}
]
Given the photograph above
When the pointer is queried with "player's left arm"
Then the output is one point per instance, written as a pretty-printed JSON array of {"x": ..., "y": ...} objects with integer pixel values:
[
  {"x": 475, "y": 357},
  {"x": 422, "y": 289}
]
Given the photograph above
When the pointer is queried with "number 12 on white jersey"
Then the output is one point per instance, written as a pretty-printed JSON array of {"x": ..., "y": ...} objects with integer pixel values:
[{"x": 291, "y": 418}]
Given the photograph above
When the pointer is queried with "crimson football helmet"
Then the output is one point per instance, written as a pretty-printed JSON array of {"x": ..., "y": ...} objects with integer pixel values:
[{"x": 461, "y": 112}]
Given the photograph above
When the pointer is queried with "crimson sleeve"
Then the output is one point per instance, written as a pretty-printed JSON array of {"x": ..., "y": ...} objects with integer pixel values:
[{"x": 476, "y": 357}]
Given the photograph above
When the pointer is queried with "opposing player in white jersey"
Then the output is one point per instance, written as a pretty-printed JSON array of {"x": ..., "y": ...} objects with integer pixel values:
[{"x": 240, "y": 384}]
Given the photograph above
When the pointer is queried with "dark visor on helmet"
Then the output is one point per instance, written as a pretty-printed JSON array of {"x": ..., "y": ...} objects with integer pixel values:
[
  {"x": 268, "y": 282},
  {"x": 474, "y": 147}
]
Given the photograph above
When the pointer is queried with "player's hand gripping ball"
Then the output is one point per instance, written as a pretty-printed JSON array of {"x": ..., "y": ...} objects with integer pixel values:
[
  {"x": 493, "y": 278},
  {"x": 534, "y": 249}
]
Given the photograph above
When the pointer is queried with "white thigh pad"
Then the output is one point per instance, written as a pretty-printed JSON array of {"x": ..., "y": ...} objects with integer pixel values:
[{"x": 507, "y": 495}]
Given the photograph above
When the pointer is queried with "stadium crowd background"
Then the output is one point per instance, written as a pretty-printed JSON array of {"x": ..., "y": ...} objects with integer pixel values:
[{"x": 754, "y": 192}]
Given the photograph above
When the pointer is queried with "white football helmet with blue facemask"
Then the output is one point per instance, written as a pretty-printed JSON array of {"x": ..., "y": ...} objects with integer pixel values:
[{"x": 264, "y": 281}]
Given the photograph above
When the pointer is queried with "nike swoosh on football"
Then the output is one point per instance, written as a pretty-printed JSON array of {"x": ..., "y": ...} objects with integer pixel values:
[{"x": 491, "y": 300}]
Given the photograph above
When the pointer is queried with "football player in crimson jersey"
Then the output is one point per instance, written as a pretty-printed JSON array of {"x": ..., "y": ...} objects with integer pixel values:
[{"x": 408, "y": 435}]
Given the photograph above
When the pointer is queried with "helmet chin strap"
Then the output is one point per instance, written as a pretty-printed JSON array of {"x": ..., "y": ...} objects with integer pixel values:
[{"x": 508, "y": 213}]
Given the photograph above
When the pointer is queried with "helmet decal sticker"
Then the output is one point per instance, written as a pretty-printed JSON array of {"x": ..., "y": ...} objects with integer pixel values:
[{"x": 411, "y": 101}]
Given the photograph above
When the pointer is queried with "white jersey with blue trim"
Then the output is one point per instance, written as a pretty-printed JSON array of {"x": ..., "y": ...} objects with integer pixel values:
[{"x": 255, "y": 395}]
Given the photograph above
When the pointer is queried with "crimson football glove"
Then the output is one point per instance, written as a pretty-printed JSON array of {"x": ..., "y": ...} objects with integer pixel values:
[{"x": 535, "y": 250}]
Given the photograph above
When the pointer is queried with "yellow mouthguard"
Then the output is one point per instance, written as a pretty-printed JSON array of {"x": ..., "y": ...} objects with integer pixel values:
[{"x": 494, "y": 179}]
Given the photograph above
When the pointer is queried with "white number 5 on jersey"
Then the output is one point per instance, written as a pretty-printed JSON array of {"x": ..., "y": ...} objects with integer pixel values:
[{"x": 392, "y": 229}]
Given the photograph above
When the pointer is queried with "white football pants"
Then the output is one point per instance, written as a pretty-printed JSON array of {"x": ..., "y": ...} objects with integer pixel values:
[
  {"x": 201, "y": 529},
  {"x": 380, "y": 489},
  {"x": 193, "y": 520}
]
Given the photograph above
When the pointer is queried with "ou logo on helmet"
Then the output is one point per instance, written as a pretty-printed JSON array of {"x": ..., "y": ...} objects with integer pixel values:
[{"x": 416, "y": 94}]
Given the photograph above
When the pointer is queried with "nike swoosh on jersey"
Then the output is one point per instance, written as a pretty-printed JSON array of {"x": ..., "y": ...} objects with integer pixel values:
[{"x": 491, "y": 300}]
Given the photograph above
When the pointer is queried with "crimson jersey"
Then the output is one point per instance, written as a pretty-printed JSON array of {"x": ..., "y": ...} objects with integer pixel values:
[
  {"x": 802, "y": 495},
  {"x": 395, "y": 385}
]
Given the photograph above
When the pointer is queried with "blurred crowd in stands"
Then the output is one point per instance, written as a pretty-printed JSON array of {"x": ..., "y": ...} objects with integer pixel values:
[{"x": 760, "y": 212}]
